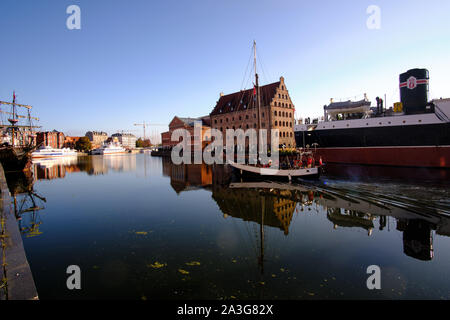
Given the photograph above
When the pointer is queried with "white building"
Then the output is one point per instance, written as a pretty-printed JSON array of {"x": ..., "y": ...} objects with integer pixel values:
[{"x": 127, "y": 140}]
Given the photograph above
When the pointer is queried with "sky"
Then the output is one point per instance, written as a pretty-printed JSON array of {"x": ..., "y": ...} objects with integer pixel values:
[{"x": 140, "y": 60}]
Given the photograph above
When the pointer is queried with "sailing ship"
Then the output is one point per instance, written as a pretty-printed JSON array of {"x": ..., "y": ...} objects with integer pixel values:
[
  {"x": 18, "y": 140},
  {"x": 300, "y": 163}
]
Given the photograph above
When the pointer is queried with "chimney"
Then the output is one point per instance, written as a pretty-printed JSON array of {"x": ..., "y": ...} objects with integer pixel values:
[{"x": 221, "y": 94}]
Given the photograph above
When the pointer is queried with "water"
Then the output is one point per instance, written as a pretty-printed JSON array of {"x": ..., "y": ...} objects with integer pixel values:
[{"x": 142, "y": 228}]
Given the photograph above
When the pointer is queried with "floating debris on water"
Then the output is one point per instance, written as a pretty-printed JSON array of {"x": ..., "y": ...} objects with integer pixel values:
[
  {"x": 193, "y": 263},
  {"x": 157, "y": 265},
  {"x": 182, "y": 271}
]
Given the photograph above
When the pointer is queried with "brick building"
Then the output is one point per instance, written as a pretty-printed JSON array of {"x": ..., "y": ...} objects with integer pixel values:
[
  {"x": 70, "y": 142},
  {"x": 52, "y": 139},
  {"x": 184, "y": 123},
  {"x": 239, "y": 111}
]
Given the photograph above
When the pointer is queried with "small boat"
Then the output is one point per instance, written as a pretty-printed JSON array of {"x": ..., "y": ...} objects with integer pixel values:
[
  {"x": 294, "y": 172},
  {"x": 49, "y": 152},
  {"x": 110, "y": 148}
]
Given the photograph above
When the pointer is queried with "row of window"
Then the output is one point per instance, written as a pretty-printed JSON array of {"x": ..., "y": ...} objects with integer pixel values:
[
  {"x": 283, "y": 96},
  {"x": 283, "y": 124},
  {"x": 285, "y": 135},
  {"x": 282, "y": 114},
  {"x": 282, "y": 134},
  {"x": 240, "y": 118},
  {"x": 282, "y": 104}
]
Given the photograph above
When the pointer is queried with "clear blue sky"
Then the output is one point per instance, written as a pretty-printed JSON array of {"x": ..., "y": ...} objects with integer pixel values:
[{"x": 150, "y": 60}]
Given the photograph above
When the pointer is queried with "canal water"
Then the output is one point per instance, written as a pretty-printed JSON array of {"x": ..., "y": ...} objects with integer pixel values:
[{"x": 140, "y": 227}]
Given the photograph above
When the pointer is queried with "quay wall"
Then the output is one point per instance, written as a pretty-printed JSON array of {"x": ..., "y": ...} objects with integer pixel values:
[{"x": 16, "y": 279}]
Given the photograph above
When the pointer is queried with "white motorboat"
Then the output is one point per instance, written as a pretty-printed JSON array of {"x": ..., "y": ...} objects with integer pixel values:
[
  {"x": 49, "y": 152},
  {"x": 110, "y": 148}
]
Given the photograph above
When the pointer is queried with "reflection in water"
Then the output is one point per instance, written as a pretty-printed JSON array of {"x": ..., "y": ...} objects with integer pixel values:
[
  {"x": 26, "y": 202},
  {"x": 187, "y": 177},
  {"x": 243, "y": 237},
  {"x": 48, "y": 169},
  {"x": 273, "y": 204}
]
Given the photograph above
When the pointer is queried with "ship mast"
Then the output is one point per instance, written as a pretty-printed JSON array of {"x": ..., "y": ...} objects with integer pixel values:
[
  {"x": 257, "y": 93},
  {"x": 13, "y": 121}
]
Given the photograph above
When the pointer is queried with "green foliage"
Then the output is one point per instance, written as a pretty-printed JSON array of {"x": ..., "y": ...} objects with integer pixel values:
[
  {"x": 83, "y": 144},
  {"x": 143, "y": 143}
]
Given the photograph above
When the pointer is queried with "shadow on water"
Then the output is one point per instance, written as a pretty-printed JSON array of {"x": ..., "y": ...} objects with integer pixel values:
[{"x": 261, "y": 212}]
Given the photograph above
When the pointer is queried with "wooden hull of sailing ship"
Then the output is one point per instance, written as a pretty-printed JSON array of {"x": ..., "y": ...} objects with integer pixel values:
[{"x": 15, "y": 158}]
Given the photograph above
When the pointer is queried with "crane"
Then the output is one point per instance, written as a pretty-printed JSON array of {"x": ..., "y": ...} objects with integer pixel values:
[{"x": 143, "y": 125}]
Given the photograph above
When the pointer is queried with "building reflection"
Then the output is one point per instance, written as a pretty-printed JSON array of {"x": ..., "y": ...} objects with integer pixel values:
[
  {"x": 274, "y": 205},
  {"x": 268, "y": 204},
  {"x": 48, "y": 169},
  {"x": 187, "y": 177}
]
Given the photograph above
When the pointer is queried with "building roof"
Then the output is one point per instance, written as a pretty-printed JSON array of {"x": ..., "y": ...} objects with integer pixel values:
[
  {"x": 243, "y": 99},
  {"x": 190, "y": 121}
]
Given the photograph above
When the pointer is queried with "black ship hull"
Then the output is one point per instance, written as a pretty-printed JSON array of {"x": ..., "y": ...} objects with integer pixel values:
[{"x": 426, "y": 145}]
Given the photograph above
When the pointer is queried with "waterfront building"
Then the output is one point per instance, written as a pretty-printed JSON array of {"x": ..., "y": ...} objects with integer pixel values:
[
  {"x": 70, "y": 142},
  {"x": 54, "y": 139},
  {"x": 188, "y": 124},
  {"x": 238, "y": 110},
  {"x": 97, "y": 138},
  {"x": 127, "y": 140}
]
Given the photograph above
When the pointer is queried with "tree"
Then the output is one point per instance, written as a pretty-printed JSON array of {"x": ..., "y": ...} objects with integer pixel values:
[
  {"x": 143, "y": 143},
  {"x": 83, "y": 144}
]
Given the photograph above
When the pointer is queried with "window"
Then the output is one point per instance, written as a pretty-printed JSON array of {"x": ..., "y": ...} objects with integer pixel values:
[
  {"x": 226, "y": 119},
  {"x": 254, "y": 116},
  {"x": 275, "y": 112},
  {"x": 290, "y": 115},
  {"x": 291, "y": 134},
  {"x": 220, "y": 120},
  {"x": 246, "y": 116},
  {"x": 263, "y": 114},
  {"x": 240, "y": 118},
  {"x": 215, "y": 121},
  {"x": 279, "y": 96},
  {"x": 276, "y": 123},
  {"x": 254, "y": 125},
  {"x": 247, "y": 126}
]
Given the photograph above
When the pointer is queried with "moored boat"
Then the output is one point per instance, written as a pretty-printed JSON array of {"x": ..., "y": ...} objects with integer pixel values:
[
  {"x": 109, "y": 149},
  {"x": 300, "y": 163},
  {"x": 49, "y": 152},
  {"x": 413, "y": 133}
]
